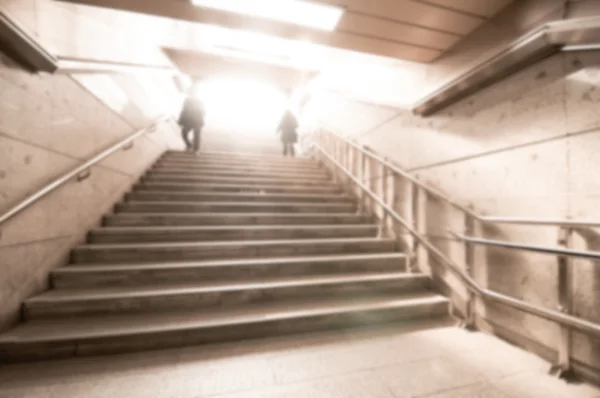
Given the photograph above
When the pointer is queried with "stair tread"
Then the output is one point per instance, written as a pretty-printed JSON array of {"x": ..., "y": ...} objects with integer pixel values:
[
  {"x": 234, "y": 166},
  {"x": 250, "y": 176},
  {"x": 222, "y": 203},
  {"x": 232, "y": 174},
  {"x": 120, "y": 230},
  {"x": 238, "y": 169},
  {"x": 236, "y": 215},
  {"x": 227, "y": 154},
  {"x": 224, "y": 156},
  {"x": 178, "y": 167},
  {"x": 82, "y": 328},
  {"x": 83, "y": 268},
  {"x": 95, "y": 293},
  {"x": 165, "y": 182},
  {"x": 266, "y": 195},
  {"x": 233, "y": 243}
]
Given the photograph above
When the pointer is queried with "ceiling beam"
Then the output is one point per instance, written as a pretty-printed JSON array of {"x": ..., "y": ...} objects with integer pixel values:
[
  {"x": 184, "y": 10},
  {"x": 200, "y": 66},
  {"x": 455, "y": 10}
]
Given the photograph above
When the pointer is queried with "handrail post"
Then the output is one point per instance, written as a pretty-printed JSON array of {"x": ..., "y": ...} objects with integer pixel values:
[
  {"x": 392, "y": 186},
  {"x": 325, "y": 144},
  {"x": 371, "y": 183},
  {"x": 339, "y": 156},
  {"x": 342, "y": 154},
  {"x": 469, "y": 322},
  {"x": 362, "y": 164},
  {"x": 350, "y": 164},
  {"x": 384, "y": 196},
  {"x": 563, "y": 368},
  {"x": 415, "y": 207},
  {"x": 336, "y": 149},
  {"x": 317, "y": 138},
  {"x": 348, "y": 160}
]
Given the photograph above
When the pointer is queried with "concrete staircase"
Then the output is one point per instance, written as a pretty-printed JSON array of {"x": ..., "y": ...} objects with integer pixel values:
[{"x": 221, "y": 247}]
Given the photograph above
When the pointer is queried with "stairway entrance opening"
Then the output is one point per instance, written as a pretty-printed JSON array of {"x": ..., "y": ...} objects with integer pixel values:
[{"x": 245, "y": 105}]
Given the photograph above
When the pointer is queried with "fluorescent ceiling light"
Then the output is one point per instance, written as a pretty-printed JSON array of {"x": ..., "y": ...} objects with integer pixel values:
[{"x": 298, "y": 12}]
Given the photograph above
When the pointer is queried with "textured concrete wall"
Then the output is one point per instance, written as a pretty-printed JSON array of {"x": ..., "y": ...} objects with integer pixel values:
[
  {"x": 524, "y": 147},
  {"x": 48, "y": 125}
]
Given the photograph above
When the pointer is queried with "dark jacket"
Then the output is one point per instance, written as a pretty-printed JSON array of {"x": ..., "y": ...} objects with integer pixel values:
[
  {"x": 192, "y": 113},
  {"x": 288, "y": 126}
]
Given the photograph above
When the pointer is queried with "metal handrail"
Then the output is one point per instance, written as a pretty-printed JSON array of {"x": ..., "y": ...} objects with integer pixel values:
[
  {"x": 447, "y": 199},
  {"x": 552, "y": 315},
  {"x": 594, "y": 255},
  {"x": 540, "y": 221},
  {"x": 403, "y": 173},
  {"x": 45, "y": 190}
]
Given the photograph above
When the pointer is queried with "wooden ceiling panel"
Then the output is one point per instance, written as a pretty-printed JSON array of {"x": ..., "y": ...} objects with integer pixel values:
[
  {"x": 184, "y": 10},
  {"x": 414, "y": 13},
  {"x": 402, "y": 33},
  {"x": 414, "y": 30},
  {"x": 383, "y": 47},
  {"x": 483, "y": 8}
]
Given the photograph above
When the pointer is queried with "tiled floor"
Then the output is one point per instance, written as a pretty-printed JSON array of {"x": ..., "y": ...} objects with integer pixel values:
[{"x": 422, "y": 360}]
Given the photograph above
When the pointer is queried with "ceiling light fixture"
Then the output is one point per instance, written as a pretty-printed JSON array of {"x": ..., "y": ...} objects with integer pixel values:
[{"x": 298, "y": 12}]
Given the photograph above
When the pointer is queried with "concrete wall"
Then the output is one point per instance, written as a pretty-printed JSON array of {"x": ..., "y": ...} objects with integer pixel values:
[
  {"x": 527, "y": 147},
  {"x": 48, "y": 125}
]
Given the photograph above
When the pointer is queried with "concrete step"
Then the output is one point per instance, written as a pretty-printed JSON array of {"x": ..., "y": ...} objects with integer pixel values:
[
  {"x": 221, "y": 233},
  {"x": 225, "y": 157},
  {"x": 254, "y": 165},
  {"x": 166, "y": 184},
  {"x": 172, "y": 219},
  {"x": 143, "y": 252},
  {"x": 234, "y": 207},
  {"x": 160, "y": 196},
  {"x": 118, "y": 334},
  {"x": 201, "y": 296},
  {"x": 210, "y": 167},
  {"x": 228, "y": 154},
  {"x": 191, "y": 178},
  {"x": 226, "y": 173},
  {"x": 99, "y": 275},
  {"x": 241, "y": 172}
]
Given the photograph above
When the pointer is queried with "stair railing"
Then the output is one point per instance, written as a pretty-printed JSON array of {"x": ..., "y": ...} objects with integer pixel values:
[
  {"x": 81, "y": 172},
  {"x": 356, "y": 165}
]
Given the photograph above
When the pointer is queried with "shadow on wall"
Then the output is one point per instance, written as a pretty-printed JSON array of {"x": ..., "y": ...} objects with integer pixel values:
[
  {"x": 546, "y": 73},
  {"x": 586, "y": 295},
  {"x": 440, "y": 218},
  {"x": 523, "y": 275}
]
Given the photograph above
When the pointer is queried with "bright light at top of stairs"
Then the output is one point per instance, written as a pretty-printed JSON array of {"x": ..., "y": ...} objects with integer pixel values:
[
  {"x": 257, "y": 105},
  {"x": 298, "y": 12}
]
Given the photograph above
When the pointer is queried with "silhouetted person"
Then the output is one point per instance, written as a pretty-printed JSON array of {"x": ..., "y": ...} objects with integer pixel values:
[
  {"x": 289, "y": 136},
  {"x": 192, "y": 119}
]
